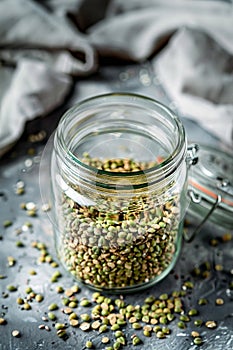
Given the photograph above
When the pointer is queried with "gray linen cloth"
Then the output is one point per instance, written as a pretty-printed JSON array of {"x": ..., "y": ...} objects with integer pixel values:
[
  {"x": 39, "y": 53},
  {"x": 43, "y": 45}
]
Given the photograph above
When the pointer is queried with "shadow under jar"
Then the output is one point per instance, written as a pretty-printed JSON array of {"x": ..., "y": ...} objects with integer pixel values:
[{"x": 119, "y": 184}]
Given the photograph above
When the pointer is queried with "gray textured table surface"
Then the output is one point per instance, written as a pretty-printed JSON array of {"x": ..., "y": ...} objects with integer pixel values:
[{"x": 20, "y": 165}]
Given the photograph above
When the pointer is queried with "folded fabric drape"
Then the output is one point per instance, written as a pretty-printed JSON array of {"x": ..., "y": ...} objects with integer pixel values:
[
  {"x": 39, "y": 54},
  {"x": 43, "y": 45}
]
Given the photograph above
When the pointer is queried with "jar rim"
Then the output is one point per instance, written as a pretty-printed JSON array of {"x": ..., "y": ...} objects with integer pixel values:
[{"x": 168, "y": 165}]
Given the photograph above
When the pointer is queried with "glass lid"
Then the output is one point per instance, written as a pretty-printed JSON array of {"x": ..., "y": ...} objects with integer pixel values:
[{"x": 211, "y": 186}]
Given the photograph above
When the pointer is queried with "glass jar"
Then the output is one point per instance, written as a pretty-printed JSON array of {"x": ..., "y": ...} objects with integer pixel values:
[{"x": 119, "y": 185}]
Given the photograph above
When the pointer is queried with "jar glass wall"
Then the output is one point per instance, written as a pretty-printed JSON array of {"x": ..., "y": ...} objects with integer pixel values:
[{"x": 119, "y": 184}]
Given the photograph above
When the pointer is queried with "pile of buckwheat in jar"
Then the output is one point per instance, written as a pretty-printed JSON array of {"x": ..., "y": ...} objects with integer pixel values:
[{"x": 117, "y": 243}]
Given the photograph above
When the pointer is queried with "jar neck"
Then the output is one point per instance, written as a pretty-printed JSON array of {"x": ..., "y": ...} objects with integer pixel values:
[{"x": 112, "y": 113}]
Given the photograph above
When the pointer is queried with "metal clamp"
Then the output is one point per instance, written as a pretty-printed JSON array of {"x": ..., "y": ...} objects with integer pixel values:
[
  {"x": 196, "y": 198},
  {"x": 192, "y": 157}
]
